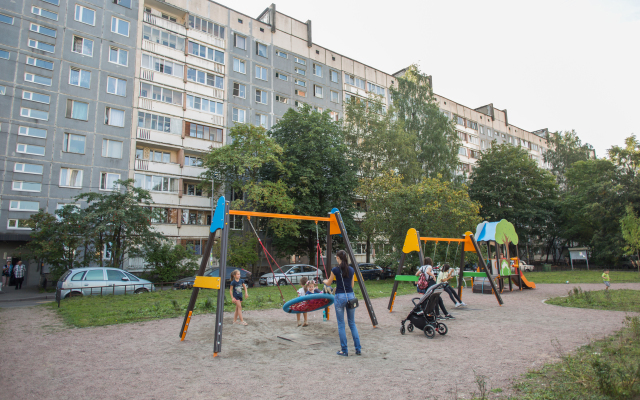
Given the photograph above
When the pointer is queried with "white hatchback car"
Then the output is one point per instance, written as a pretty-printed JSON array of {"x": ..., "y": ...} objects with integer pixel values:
[
  {"x": 292, "y": 273},
  {"x": 99, "y": 281}
]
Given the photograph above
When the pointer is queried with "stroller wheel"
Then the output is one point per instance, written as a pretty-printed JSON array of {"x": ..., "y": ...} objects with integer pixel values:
[
  {"x": 402, "y": 330},
  {"x": 410, "y": 327},
  {"x": 442, "y": 329},
  {"x": 429, "y": 331}
]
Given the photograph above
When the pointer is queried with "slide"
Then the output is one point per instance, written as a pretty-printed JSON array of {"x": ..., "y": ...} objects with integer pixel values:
[{"x": 525, "y": 283}]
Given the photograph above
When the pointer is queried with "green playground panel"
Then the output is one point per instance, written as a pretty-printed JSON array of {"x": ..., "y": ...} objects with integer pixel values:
[
  {"x": 474, "y": 274},
  {"x": 407, "y": 278}
]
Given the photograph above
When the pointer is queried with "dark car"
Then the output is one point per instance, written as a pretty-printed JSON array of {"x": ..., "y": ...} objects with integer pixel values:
[
  {"x": 370, "y": 271},
  {"x": 187, "y": 283},
  {"x": 389, "y": 271}
]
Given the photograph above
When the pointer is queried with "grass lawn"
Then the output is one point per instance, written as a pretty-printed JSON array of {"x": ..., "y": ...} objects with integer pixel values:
[
  {"x": 604, "y": 369},
  {"x": 108, "y": 310},
  {"x": 575, "y": 277}
]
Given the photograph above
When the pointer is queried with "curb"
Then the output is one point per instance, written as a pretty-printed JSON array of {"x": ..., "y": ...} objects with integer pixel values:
[{"x": 46, "y": 297}]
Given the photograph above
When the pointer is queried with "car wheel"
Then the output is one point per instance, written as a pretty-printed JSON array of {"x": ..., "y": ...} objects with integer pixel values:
[
  {"x": 141, "y": 290},
  {"x": 73, "y": 294},
  {"x": 282, "y": 282}
]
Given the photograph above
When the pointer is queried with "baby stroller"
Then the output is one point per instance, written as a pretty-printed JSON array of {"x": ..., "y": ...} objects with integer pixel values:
[{"x": 423, "y": 315}]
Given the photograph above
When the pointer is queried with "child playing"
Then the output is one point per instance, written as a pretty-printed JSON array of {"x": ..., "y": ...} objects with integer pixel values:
[
  {"x": 311, "y": 288},
  {"x": 605, "y": 278},
  {"x": 301, "y": 292},
  {"x": 235, "y": 290}
]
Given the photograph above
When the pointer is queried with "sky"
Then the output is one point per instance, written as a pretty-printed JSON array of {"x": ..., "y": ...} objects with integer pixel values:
[{"x": 553, "y": 64}]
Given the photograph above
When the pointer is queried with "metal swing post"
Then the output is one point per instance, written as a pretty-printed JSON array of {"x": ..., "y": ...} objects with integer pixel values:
[{"x": 217, "y": 345}]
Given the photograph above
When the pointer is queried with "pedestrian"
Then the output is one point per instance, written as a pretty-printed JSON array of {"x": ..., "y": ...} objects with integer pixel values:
[
  {"x": 5, "y": 275},
  {"x": 235, "y": 290},
  {"x": 344, "y": 276},
  {"x": 18, "y": 272},
  {"x": 443, "y": 277},
  {"x": 301, "y": 292},
  {"x": 606, "y": 280}
]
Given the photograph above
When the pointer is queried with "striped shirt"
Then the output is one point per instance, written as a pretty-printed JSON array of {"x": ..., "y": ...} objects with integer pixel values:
[{"x": 18, "y": 271}]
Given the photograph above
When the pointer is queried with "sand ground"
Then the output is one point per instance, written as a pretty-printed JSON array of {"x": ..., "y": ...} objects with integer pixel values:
[{"x": 42, "y": 358}]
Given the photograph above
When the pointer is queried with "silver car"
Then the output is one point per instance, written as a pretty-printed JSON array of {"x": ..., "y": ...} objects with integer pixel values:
[
  {"x": 100, "y": 281},
  {"x": 292, "y": 273}
]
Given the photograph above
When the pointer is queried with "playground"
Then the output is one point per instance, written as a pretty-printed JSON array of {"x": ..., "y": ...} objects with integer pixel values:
[{"x": 147, "y": 360}]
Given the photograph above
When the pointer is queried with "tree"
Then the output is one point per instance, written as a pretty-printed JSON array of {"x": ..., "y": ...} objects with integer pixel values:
[
  {"x": 564, "y": 150},
  {"x": 511, "y": 186},
  {"x": 241, "y": 249},
  {"x": 170, "y": 261},
  {"x": 630, "y": 225},
  {"x": 319, "y": 174},
  {"x": 436, "y": 140}
]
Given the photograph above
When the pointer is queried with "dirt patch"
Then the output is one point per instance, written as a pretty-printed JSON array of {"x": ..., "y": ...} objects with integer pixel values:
[{"x": 148, "y": 361}]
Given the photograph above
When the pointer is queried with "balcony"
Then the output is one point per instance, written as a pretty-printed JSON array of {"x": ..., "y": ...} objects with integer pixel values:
[
  {"x": 158, "y": 106},
  {"x": 169, "y": 199},
  {"x": 205, "y": 90},
  {"x": 159, "y": 137},
  {"x": 205, "y": 64},
  {"x": 206, "y": 38},
  {"x": 194, "y": 230},
  {"x": 164, "y": 79},
  {"x": 200, "y": 144},
  {"x": 163, "y": 168},
  {"x": 355, "y": 90},
  {"x": 165, "y": 24},
  {"x": 165, "y": 51},
  {"x": 204, "y": 117},
  {"x": 195, "y": 201},
  {"x": 167, "y": 229},
  {"x": 193, "y": 172}
]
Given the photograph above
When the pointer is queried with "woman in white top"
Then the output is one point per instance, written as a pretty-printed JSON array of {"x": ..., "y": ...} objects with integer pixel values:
[
  {"x": 427, "y": 270},
  {"x": 443, "y": 277}
]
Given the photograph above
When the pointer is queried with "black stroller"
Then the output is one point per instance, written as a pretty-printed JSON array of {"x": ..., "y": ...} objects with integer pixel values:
[{"x": 423, "y": 315}]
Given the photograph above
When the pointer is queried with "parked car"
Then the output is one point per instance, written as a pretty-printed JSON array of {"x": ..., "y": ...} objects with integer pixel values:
[
  {"x": 524, "y": 267},
  {"x": 389, "y": 271},
  {"x": 370, "y": 271},
  {"x": 187, "y": 283},
  {"x": 291, "y": 273},
  {"x": 96, "y": 281},
  {"x": 629, "y": 262}
]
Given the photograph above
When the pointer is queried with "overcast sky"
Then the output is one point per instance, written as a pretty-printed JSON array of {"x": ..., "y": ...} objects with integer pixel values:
[{"x": 554, "y": 64}]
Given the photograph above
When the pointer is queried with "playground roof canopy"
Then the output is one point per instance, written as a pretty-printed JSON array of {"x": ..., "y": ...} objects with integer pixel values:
[{"x": 486, "y": 231}]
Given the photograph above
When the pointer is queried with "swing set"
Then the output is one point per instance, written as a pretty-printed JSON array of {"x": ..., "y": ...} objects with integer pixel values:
[
  {"x": 220, "y": 222},
  {"x": 412, "y": 243}
]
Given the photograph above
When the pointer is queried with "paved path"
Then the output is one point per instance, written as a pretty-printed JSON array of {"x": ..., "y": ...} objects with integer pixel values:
[{"x": 10, "y": 297}]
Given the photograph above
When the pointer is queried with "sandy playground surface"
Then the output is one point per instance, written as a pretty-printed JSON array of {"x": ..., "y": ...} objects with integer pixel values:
[{"x": 41, "y": 358}]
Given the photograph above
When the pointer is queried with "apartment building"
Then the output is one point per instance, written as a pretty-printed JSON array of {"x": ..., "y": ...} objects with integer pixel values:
[
  {"x": 101, "y": 90},
  {"x": 66, "y": 96}
]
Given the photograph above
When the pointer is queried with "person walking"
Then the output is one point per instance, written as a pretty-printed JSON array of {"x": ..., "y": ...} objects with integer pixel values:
[
  {"x": 344, "y": 276},
  {"x": 18, "y": 272},
  {"x": 5, "y": 275}
]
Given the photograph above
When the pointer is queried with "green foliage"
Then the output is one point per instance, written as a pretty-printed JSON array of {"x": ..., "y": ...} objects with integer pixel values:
[
  {"x": 630, "y": 225},
  {"x": 511, "y": 186},
  {"x": 434, "y": 134},
  {"x": 563, "y": 151},
  {"x": 242, "y": 249},
  {"x": 580, "y": 276},
  {"x": 169, "y": 261},
  {"x": 614, "y": 300}
]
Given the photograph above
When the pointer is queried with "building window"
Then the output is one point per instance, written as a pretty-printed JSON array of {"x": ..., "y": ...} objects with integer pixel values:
[
  {"x": 317, "y": 91},
  {"x": 462, "y": 151},
  {"x": 334, "y": 116},
  {"x": 261, "y": 73},
  {"x": 282, "y": 54},
  {"x": 202, "y": 104},
  {"x": 73, "y": 143},
  {"x": 334, "y": 76},
  {"x": 82, "y": 46},
  {"x": 298, "y": 103},
  {"x": 474, "y": 139},
  {"x": 261, "y": 120},
  {"x": 79, "y": 77},
  {"x": 119, "y": 26},
  {"x": 37, "y": 97},
  {"x": 238, "y": 115},
  {"x": 261, "y": 49},
  {"x": 334, "y": 96},
  {"x": 70, "y": 177},
  {"x": 44, "y": 13},
  {"x": 204, "y": 132},
  {"x": 459, "y": 120},
  {"x": 282, "y": 76},
  {"x": 118, "y": 56},
  {"x": 159, "y": 93},
  {"x": 192, "y": 161},
  {"x": 206, "y": 52},
  {"x": 36, "y": 44},
  {"x": 489, "y": 132},
  {"x": 28, "y": 168},
  {"x": 206, "y": 26},
  {"x": 35, "y": 114},
  {"x": 18, "y": 205},
  {"x": 85, "y": 15},
  {"x": 375, "y": 89},
  {"x": 300, "y": 83},
  {"x": 239, "y": 66},
  {"x": 18, "y": 223},
  {"x": 111, "y": 148},
  {"x": 300, "y": 71},
  {"x": 472, "y": 125},
  {"x": 43, "y": 30},
  {"x": 192, "y": 189},
  {"x": 205, "y": 78},
  {"x": 239, "y": 90},
  {"x": 117, "y": 86},
  {"x": 77, "y": 110},
  {"x": 159, "y": 156},
  {"x": 30, "y": 149},
  {"x": 33, "y": 132},
  {"x": 163, "y": 66},
  {"x": 261, "y": 96},
  {"x": 155, "y": 122},
  {"x": 40, "y": 80},
  {"x": 354, "y": 81},
  {"x": 26, "y": 186},
  {"x": 114, "y": 117},
  {"x": 282, "y": 99},
  {"x": 36, "y": 62},
  {"x": 162, "y": 37},
  {"x": 317, "y": 70},
  {"x": 236, "y": 222},
  {"x": 5, "y": 55},
  {"x": 300, "y": 60},
  {"x": 156, "y": 183},
  {"x": 123, "y": 3},
  {"x": 300, "y": 93},
  {"x": 240, "y": 41},
  {"x": 108, "y": 181},
  {"x": 6, "y": 19}
]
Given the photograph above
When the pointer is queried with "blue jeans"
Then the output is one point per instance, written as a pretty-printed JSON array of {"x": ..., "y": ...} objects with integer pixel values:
[{"x": 340, "y": 305}]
